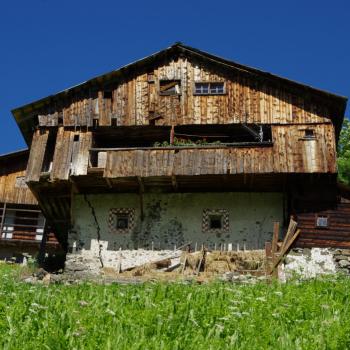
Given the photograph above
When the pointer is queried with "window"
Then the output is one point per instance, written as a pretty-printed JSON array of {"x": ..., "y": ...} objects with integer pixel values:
[
  {"x": 322, "y": 221},
  {"x": 215, "y": 221},
  {"x": 309, "y": 134},
  {"x": 121, "y": 220},
  {"x": 107, "y": 94},
  {"x": 21, "y": 182},
  {"x": 169, "y": 87},
  {"x": 209, "y": 88}
]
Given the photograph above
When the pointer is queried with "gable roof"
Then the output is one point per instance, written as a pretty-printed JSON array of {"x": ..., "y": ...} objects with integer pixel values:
[{"x": 25, "y": 115}]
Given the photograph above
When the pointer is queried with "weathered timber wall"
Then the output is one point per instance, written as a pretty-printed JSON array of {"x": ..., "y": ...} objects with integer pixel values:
[
  {"x": 337, "y": 234},
  {"x": 12, "y": 182},
  {"x": 291, "y": 153},
  {"x": 36, "y": 156},
  {"x": 294, "y": 153},
  {"x": 136, "y": 99},
  {"x": 10, "y": 193}
]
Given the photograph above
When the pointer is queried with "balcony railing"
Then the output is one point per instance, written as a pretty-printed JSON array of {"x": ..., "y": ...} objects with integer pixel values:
[{"x": 235, "y": 158}]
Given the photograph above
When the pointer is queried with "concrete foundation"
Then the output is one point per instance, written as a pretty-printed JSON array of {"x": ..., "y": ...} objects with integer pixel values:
[{"x": 169, "y": 221}]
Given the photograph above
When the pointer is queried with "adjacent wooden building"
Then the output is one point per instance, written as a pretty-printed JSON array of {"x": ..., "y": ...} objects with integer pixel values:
[
  {"x": 23, "y": 227},
  {"x": 184, "y": 145}
]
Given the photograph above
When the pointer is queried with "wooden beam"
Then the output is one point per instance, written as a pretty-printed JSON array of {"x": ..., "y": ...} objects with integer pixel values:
[
  {"x": 285, "y": 250},
  {"x": 2, "y": 218},
  {"x": 274, "y": 247}
]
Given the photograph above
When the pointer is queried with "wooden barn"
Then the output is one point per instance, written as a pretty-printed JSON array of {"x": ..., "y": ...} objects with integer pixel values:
[
  {"x": 24, "y": 229},
  {"x": 185, "y": 146}
]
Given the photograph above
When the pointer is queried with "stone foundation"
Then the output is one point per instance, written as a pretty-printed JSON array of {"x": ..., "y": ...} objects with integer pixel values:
[{"x": 309, "y": 263}]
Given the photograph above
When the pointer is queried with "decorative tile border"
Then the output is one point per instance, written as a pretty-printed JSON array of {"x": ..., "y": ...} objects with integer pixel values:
[
  {"x": 112, "y": 220},
  {"x": 206, "y": 221}
]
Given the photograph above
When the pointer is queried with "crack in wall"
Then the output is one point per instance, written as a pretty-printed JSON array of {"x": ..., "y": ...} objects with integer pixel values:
[{"x": 98, "y": 229}]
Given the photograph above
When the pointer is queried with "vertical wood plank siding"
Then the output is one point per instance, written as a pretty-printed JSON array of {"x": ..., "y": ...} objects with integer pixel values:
[
  {"x": 36, "y": 156},
  {"x": 291, "y": 153},
  {"x": 134, "y": 100},
  {"x": 9, "y": 193}
]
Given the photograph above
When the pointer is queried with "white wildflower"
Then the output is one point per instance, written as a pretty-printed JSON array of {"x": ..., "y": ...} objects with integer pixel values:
[
  {"x": 83, "y": 303},
  {"x": 111, "y": 312}
]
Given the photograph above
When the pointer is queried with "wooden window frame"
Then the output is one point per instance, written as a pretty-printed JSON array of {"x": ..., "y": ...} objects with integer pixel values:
[
  {"x": 20, "y": 182},
  {"x": 161, "y": 93},
  {"x": 209, "y": 93},
  {"x": 322, "y": 227},
  {"x": 308, "y": 138}
]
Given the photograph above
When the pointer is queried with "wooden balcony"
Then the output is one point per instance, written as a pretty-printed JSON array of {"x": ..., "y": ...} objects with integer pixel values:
[{"x": 243, "y": 158}]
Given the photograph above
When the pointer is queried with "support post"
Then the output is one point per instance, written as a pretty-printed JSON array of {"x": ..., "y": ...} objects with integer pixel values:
[{"x": 2, "y": 219}]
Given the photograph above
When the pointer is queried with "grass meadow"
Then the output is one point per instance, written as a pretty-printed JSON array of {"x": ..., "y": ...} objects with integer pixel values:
[{"x": 314, "y": 314}]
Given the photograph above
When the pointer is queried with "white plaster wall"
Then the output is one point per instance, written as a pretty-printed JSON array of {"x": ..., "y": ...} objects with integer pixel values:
[{"x": 175, "y": 219}]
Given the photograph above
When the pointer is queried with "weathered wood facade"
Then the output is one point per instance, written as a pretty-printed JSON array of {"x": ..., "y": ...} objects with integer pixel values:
[
  {"x": 22, "y": 224},
  {"x": 179, "y": 120}
]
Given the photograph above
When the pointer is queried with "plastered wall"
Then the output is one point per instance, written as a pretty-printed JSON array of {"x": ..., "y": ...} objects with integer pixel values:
[{"x": 174, "y": 219}]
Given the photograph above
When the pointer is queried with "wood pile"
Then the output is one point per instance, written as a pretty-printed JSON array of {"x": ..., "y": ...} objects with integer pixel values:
[{"x": 276, "y": 251}]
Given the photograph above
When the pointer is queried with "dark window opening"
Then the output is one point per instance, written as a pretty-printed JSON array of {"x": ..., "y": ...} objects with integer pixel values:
[
  {"x": 209, "y": 88},
  {"x": 122, "y": 222},
  {"x": 108, "y": 94},
  {"x": 309, "y": 134},
  {"x": 170, "y": 87},
  {"x": 114, "y": 122},
  {"x": 215, "y": 221},
  {"x": 49, "y": 152},
  {"x": 76, "y": 138},
  {"x": 154, "y": 135}
]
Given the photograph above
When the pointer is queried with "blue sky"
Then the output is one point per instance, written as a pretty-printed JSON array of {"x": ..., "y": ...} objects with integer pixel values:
[{"x": 47, "y": 45}]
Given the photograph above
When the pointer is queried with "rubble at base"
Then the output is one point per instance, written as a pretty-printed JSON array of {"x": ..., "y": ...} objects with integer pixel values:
[{"x": 224, "y": 266}]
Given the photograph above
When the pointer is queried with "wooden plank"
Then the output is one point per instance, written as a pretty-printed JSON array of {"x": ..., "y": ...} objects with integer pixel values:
[
  {"x": 80, "y": 158},
  {"x": 36, "y": 155},
  {"x": 62, "y": 155}
]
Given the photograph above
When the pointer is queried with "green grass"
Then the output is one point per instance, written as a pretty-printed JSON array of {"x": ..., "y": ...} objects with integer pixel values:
[{"x": 304, "y": 315}]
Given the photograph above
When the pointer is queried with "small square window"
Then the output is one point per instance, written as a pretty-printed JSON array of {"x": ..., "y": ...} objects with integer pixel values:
[
  {"x": 215, "y": 221},
  {"x": 322, "y": 221},
  {"x": 121, "y": 220},
  {"x": 21, "y": 182},
  {"x": 309, "y": 134}
]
